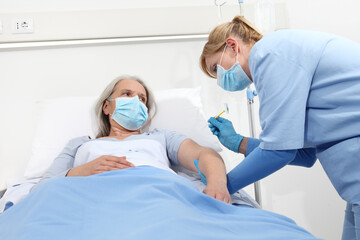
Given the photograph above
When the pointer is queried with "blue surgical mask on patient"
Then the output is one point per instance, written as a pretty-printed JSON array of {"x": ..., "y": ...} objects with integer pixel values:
[
  {"x": 130, "y": 113},
  {"x": 234, "y": 79}
]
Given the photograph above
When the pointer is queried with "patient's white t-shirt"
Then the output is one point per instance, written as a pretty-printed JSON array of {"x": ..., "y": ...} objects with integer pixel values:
[
  {"x": 83, "y": 149},
  {"x": 157, "y": 148},
  {"x": 138, "y": 151}
]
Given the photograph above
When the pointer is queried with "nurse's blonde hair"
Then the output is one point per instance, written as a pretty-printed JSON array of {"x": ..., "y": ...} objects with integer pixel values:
[
  {"x": 239, "y": 28},
  {"x": 103, "y": 119}
]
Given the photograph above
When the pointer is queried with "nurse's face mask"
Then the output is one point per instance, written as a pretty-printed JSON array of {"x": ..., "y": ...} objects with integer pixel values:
[
  {"x": 129, "y": 112},
  {"x": 234, "y": 79}
]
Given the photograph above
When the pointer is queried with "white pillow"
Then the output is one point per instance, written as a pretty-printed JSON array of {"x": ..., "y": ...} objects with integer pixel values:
[
  {"x": 180, "y": 109},
  {"x": 60, "y": 120}
]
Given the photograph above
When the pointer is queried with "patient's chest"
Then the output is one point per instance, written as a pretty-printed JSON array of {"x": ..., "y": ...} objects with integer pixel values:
[{"x": 139, "y": 152}]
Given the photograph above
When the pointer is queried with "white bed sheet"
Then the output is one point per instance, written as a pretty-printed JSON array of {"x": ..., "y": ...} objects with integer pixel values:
[{"x": 19, "y": 188}]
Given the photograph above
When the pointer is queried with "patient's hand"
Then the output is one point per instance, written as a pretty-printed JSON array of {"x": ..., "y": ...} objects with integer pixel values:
[
  {"x": 99, "y": 165},
  {"x": 218, "y": 191}
]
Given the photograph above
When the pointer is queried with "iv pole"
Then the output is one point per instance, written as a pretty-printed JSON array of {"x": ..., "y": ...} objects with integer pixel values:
[{"x": 250, "y": 94}]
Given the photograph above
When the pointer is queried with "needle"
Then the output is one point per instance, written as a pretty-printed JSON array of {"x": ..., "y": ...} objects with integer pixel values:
[{"x": 219, "y": 114}]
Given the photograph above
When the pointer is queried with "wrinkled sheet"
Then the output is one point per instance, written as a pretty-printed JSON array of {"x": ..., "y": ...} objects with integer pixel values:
[{"x": 137, "y": 203}]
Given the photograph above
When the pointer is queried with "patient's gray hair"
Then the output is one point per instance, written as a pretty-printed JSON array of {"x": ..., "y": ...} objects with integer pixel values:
[{"x": 103, "y": 120}]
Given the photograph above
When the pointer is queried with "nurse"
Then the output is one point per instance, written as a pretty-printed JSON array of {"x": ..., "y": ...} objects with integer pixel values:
[{"x": 309, "y": 91}]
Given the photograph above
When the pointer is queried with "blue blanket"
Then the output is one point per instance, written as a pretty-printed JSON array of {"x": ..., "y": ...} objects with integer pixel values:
[{"x": 136, "y": 203}]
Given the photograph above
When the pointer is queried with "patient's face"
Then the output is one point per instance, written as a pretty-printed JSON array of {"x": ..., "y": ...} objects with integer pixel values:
[
  {"x": 130, "y": 88},
  {"x": 125, "y": 88}
]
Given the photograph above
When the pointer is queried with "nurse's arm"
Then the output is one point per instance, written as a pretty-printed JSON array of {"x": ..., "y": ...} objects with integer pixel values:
[
  {"x": 305, "y": 157},
  {"x": 248, "y": 144},
  {"x": 257, "y": 165},
  {"x": 210, "y": 164}
]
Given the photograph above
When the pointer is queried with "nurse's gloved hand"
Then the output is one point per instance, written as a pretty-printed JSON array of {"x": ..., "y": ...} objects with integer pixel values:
[{"x": 224, "y": 130}]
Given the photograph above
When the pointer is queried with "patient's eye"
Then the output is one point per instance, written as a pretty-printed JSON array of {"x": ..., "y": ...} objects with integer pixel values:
[{"x": 142, "y": 99}]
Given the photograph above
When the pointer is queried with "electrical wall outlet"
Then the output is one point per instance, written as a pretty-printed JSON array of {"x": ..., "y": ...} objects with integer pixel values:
[{"x": 22, "y": 25}]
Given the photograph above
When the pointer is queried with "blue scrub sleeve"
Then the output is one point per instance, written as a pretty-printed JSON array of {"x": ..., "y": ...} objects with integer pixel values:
[
  {"x": 252, "y": 144},
  {"x": 257, "y": 165},
  {"x": 305, "y": 157}
]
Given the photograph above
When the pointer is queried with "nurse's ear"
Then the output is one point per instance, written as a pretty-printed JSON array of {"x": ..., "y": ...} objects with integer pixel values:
[{"x": 232, "y": 44}]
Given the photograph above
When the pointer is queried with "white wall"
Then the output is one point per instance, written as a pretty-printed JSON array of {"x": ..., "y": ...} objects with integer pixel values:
[
  {"x": 338, "y": 17},
  {"x": 305, "y": 195}
]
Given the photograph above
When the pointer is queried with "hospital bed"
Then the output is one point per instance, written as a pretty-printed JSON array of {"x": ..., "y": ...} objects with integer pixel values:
[
  {"x": 63, "y": 119},
  {"x": 140, "y": 203},
  {"x": 2, "y": 193}
]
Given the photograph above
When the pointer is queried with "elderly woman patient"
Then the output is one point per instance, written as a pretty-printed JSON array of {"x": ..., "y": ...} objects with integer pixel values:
[{"x": 123, "y": 110}]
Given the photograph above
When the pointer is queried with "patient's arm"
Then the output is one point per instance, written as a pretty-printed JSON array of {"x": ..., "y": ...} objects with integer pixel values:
[
  {"x": 99, "y": 165},
  {"x": 64, "y": 161},
  {"x": 210, "y": 164}
]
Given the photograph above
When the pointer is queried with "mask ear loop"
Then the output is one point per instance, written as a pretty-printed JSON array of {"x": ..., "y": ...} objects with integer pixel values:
[
  {"x": 222, "y": 54},
  {"x": 237, "y": 55}
]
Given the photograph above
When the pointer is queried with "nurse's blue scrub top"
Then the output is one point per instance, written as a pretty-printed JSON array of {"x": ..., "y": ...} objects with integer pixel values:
[
  {"x": 309, "y": 88},
  {"x": 309, "y": 92}
]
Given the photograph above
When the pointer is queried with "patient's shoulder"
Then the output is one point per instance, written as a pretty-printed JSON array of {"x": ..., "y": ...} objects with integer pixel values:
[
  {"x": 161, "y": 131},
  {"x": 168, "y": 135},
  {"x": 77, "y": 142},
  {"x": 154, "y": 131}
]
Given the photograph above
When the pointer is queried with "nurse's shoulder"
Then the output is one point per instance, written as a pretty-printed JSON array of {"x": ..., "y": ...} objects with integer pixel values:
[
  {"x": 292, "y": 41},
  {"x": 301, "y": 47}
]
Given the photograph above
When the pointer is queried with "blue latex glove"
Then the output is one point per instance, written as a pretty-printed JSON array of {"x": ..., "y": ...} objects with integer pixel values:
[{"x": 224, "y": 130}]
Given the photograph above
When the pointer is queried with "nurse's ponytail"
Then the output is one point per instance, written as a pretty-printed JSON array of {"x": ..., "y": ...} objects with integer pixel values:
[
  {"x": 239, "y": 28},
  {"x": 245, "y": 28}
]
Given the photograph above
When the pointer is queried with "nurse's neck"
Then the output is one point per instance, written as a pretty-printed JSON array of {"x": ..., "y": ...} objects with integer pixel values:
[{"x": 243, "y": 58}]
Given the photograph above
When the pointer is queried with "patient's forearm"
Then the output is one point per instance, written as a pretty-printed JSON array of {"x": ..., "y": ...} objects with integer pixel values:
[
  {"x": 210, "y": 162},
  {"x": 212, "y": 166}
]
